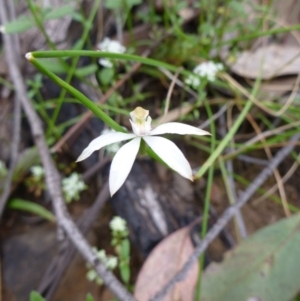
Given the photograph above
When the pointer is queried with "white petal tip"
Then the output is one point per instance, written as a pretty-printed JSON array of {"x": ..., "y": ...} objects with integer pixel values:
[
  {"x": 79, "y": 159},
  {"x": 2, "y": 29}
]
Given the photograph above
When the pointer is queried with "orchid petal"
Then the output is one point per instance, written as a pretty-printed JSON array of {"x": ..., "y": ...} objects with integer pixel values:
[
  {"x": 102, "y": 141},
  {"x": 122, "y": 164},
  {"x": 178, "y": 128},
  {"x": 171, "y": 154}
]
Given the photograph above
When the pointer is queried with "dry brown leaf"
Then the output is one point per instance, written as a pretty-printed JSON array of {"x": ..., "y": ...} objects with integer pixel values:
[
  {"x": 276, "y": 87},
  {"x": 267, "y": 62},
  {"x": 163, "y": 263},
  {"x": 270, "y": 59}
]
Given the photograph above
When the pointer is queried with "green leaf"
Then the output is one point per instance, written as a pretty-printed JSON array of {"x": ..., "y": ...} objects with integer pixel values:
[
  {"x": 54, "y": 65},
  {"x": 131, "y": 3},
  {"x": 265, "y": 266},
  {"x": 106, "y": 75},
  {"x": 24, "y": 205},
  {"x": 113, "y": 4},
  {"x": 21, "y": 24},
  {"x": 237, "y": 6},
  {"x": 89, "y": 297},
  {"x": 124, "y": 261},
  {"x": 125, "y": 249},
  {"x": 125, "y": 273},
  {"x": 86, "y": 70},
  {"x": 60, "y": 12},
  {"x": 24, "y": 22},
  {"x": 35, "y": 296},
  {"x": 28, "y": 158}
]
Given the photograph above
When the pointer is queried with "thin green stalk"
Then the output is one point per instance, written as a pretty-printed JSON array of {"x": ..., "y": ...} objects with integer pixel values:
[
  {"x": 41, "y": 107},
  {"x": 100, "y": 54},
  {"x": 40, "y": 24},
  {"x": 205, "y": 215}
]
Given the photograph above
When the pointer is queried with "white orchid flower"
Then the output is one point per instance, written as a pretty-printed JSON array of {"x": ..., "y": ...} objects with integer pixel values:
[{"x": 141, "y": 126}]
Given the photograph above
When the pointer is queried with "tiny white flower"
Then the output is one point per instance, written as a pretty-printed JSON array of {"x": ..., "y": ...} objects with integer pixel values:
[
  {"x": 111, "y": 262},
  {"x": 193, "y": 80},
  {"x": 108, "y": 45},
  {"x": 164, "y": 148},
  {"x": 37, "y": 172},
  {"x": 72, "y": 186},
  {"x": 101, "y": 254},
  {"x": 91, "y": 275},
  {"x": 207, "y": 70},
  {"x": 118, "y": 224}
]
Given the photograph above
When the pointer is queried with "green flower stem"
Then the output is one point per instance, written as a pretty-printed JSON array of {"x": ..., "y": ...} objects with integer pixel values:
[
  {"x": 82, "y": 98},
  {"x": 100, "y": 54},
  {"x": 143, "y": 148},
  {"x": 205, "y": 214}
]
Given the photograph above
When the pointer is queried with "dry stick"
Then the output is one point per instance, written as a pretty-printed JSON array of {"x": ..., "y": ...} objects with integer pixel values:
[
  {"x": 259, "y": 137},
  {"x": 52, "y": 176},
  {"x": 169, "y": 95},
  {"x": 275, "y": 172},
  {"x": 239, "y": 220},
  {"x": 226, "y": 217},
  {"x": 253, "y": 160},
  {"x": 273, "y": 189}
]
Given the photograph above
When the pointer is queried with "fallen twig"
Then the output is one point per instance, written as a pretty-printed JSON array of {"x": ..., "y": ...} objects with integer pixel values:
[
  {"x": 231, "y": 189},
  {"x": 226, "y": 217}
]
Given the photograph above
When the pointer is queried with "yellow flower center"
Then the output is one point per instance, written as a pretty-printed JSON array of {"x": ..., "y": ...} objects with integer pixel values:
[
  {"x": 140, "y": 121},
  {"x": 139, "y": 115}
]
